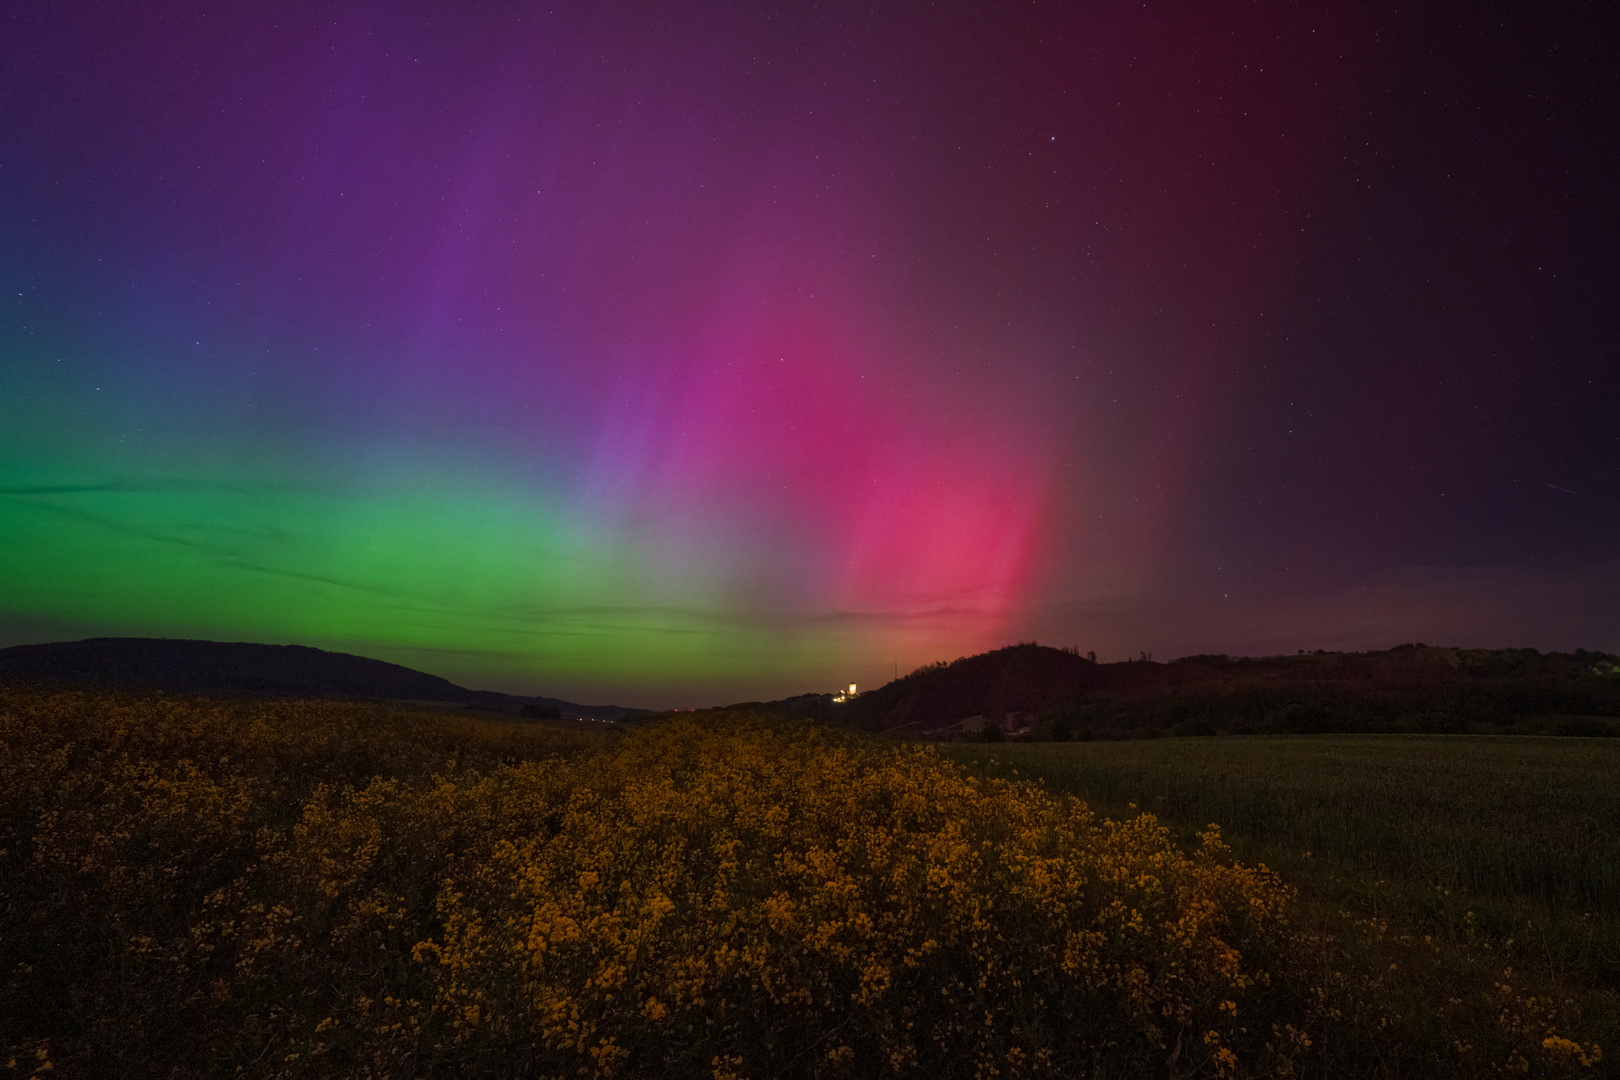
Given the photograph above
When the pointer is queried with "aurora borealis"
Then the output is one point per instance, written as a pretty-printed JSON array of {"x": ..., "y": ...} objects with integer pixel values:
[{"x": 673, "y": 354}]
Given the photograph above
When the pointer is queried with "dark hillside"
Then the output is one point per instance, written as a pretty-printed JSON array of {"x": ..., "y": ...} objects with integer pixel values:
[
  {"x": 1416, "y": 687},
  {"x": 1019, "y": 678},
  {"x": 215, "y": 667}
]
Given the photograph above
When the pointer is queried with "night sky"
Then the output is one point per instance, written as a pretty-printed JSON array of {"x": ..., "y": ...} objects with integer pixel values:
[{"x": 679, "y": 354}]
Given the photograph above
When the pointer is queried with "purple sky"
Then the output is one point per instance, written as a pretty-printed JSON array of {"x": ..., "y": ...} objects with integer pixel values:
[{"x": 683, "y": 352}]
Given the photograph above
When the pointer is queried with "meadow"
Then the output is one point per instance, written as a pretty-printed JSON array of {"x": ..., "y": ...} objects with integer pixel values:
[
  {"x": 1495, "y": 851},
  {"x": 195, "y": 886}
]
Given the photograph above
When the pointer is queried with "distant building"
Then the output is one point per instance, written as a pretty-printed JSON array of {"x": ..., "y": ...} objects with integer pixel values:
[{"x": 847, "y": 696}]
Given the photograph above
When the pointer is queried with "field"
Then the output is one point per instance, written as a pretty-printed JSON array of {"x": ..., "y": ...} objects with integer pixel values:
[
  {"x": 1506, "y": 850},
  {"x": 1532, "y": 819},
  {"x": 195, "y": 886}
]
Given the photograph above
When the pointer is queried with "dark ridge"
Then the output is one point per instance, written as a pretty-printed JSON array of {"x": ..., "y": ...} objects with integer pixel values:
[
  {"x": 221, "y": 667},
  {"x": 1017, "y": 679},
  {"x": 266, "y": 670},
  {"x": 1031, "y": 685}
]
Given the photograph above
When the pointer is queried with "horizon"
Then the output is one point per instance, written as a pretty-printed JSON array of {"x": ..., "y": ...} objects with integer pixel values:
[
  {"x": 837, "y": 692},
  {"x": 660, "y": 355}
]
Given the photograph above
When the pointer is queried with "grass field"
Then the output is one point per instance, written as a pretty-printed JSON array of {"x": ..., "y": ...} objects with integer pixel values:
[
  {"x": 1500, "y": 845},
  {"x": 1507, "y": 817}
]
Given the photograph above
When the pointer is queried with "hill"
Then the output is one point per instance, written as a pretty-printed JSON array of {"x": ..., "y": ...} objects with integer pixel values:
[
  {"x": 1409, "y": 687},
  {"x": 246, "y": 668}
]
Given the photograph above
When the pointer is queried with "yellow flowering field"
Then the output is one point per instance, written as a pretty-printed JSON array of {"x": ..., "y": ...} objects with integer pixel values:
[
  {"x": 200, "y": 887},
  {"x": 756, "y": 899}
]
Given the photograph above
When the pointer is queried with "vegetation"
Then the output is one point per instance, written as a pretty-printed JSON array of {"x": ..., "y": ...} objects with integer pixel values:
[
  {"x": 1458, "y": 859},
  {"x": 1410, "y": 688},
  {"x": 197, "y": 887},
  {"x": 1487, "y": 708}
]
